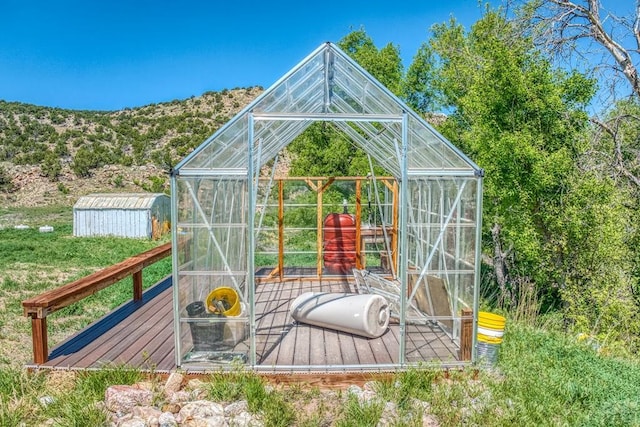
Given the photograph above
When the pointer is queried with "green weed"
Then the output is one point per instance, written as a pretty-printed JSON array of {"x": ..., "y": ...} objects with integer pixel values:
[
  {"x": 356, "y": 414},
  {"x": 248, "y": 386}
]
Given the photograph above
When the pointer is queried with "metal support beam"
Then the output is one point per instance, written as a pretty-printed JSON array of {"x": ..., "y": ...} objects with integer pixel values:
[{"x": 404, "y": 247}]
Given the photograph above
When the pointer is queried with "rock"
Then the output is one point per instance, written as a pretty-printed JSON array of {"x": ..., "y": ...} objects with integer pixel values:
[
  {"x": 425, "y": 407},
  {"x": 181, "y": 396},
  {"x": 389, "y": 416},
  {"x": 429, "y": 420},
  {"x": 147, "y": 413},
  {"x": 367, "y": 397},
  {"x": 197, "y": 388},
  {"x": 202, "y": 409},
  {"x": 173, "y": 384},
  {"x": 196, "y": 384},
  {"x": 218, "y": 421},
  {"x": 122, "y": 398},
  {"x": 133, "y": 422},
  {"x": 244, "y": 419},
  {"x": 46, "y": 400},
  {"x": 145, "y": 385},
  {"x": 236, "y": 408},
  {"x": 166, "y": 419},
  {"x": 354, "y": 389},
  {"x": 173, "y": 408}
]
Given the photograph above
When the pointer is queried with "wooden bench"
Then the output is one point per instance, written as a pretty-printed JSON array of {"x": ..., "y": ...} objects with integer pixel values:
[{"x": 40, "y": 306}]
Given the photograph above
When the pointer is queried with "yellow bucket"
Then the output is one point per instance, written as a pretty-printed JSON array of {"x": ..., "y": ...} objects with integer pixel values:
[
  {"x": 489, "y": 339},
  {"x": 223, "y": 301},
  {"x": 491, "y": 321}
]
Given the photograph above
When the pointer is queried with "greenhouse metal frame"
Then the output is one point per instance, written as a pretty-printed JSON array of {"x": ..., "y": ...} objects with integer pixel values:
[{"x": 216, "y": 209}]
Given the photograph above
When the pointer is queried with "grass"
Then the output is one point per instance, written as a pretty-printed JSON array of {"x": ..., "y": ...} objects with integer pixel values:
[
  {"x": 32, "y": 262},
  {"x": 543, "y": 378}
]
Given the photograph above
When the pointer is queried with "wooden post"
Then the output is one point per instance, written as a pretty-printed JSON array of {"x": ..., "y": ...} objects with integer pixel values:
[
  {"x": 359, "y": 246},
  {"x": 281, "y": 228},
  {"x": 137, "y": 286},
  {"x": 39, "y": 337},
  {"x": 394, "y": 228},
  {"x": 466, "y": 334},
  {"x": 319, "y": 224}
]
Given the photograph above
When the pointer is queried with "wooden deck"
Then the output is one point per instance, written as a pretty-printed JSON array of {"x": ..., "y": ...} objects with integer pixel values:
[{"x": 141, "y": 334}]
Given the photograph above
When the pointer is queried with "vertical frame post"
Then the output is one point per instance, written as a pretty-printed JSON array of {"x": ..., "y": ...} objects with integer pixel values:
[
  {"x": 251, "y": 208},
  {"x": 403, "y": 249},
  {"x": 175, "y": 274},
  {"x": 478, "y": 260}
]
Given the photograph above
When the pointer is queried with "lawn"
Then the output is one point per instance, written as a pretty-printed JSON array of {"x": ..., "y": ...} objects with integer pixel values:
[
  {"x": 32, "y": 262},
  {"x": 542, "y": 378}
]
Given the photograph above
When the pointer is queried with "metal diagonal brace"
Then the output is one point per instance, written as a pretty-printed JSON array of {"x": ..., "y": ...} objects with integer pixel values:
[
  {"x": 438, "y": 239},
  {"x": 213, "y": 239}
]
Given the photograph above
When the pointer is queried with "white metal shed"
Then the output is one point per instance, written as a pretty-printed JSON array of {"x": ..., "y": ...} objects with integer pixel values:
[{"x": 139, "y": 215}]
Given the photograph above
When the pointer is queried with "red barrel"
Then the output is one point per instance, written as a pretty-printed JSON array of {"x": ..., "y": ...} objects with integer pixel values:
[{"x": 339, "y": 243}]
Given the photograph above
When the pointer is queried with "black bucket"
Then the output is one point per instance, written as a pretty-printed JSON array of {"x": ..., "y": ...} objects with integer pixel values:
[{"x": 206, "y": 335}]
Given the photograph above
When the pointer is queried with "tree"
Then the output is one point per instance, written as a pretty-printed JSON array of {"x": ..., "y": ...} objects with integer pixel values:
[
  {"x": 549, "y": 223},
  {"x": 586, "y": 29},
  {"x": 608, "y": 43}
]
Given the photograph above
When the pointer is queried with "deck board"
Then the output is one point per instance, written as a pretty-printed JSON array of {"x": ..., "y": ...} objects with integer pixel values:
[{"x": 141, "y": 334}]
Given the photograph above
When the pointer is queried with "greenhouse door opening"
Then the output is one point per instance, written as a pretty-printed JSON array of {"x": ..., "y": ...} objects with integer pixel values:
[{"x": 325, "y": 227}]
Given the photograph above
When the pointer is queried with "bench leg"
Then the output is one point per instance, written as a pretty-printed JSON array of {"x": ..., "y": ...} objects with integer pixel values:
[
  {"x": 137, "y": 285},
  {"x": 39, "y": 335}
]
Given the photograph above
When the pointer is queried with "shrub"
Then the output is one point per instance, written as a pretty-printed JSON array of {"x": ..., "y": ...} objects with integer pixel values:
[
  {"x": 6, "y": 184},
  {"x": 84, "y": 161},
  {"x": 51, "y": 167}
]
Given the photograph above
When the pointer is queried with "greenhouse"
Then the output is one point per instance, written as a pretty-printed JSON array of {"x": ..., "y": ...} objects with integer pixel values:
[{"x": 326, "y": 273}]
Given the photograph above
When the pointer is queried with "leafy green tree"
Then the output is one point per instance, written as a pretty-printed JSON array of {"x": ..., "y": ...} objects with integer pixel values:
[{"x": 547, "y": 223}]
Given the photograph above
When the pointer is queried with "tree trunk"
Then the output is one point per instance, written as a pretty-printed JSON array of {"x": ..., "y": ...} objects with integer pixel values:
[{"x": 500, "y": 264}]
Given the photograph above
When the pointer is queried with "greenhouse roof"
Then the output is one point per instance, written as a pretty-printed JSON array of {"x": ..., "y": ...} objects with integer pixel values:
[{"x": 328, "y": 86}]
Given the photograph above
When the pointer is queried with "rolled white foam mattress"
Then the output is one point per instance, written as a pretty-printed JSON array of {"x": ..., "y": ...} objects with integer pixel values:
[{"x": 366, "y": 315}]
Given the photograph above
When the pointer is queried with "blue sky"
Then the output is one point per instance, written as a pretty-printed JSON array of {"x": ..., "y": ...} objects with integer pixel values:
[{"x": 107, "y": 55}]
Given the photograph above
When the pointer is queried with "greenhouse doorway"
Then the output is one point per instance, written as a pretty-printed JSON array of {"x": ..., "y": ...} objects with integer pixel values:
[{"x": 317, "y": 227}]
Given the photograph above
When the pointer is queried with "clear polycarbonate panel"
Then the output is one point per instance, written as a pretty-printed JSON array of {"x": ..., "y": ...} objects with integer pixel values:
[
  {"x": 376, "y": 142},
  {"x": 441, "y": 238},
  {"x": 429, "y": 151},
  {"x": 302, "y": 91},
  {"x": 226, "y": 149},
  {"x": 273, "y": 136},
  {"x": 211, "y": 296},
  {"x": 353, "y": 90}
]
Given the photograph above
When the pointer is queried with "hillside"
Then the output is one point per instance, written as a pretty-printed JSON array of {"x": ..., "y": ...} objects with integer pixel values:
[{"x": 50, "y": 156}]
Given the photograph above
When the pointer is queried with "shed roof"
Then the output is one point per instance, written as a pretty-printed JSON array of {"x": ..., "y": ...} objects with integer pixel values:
[
  {"x": 327, "y": 86},
  {"x": 118, "y": 201}
]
